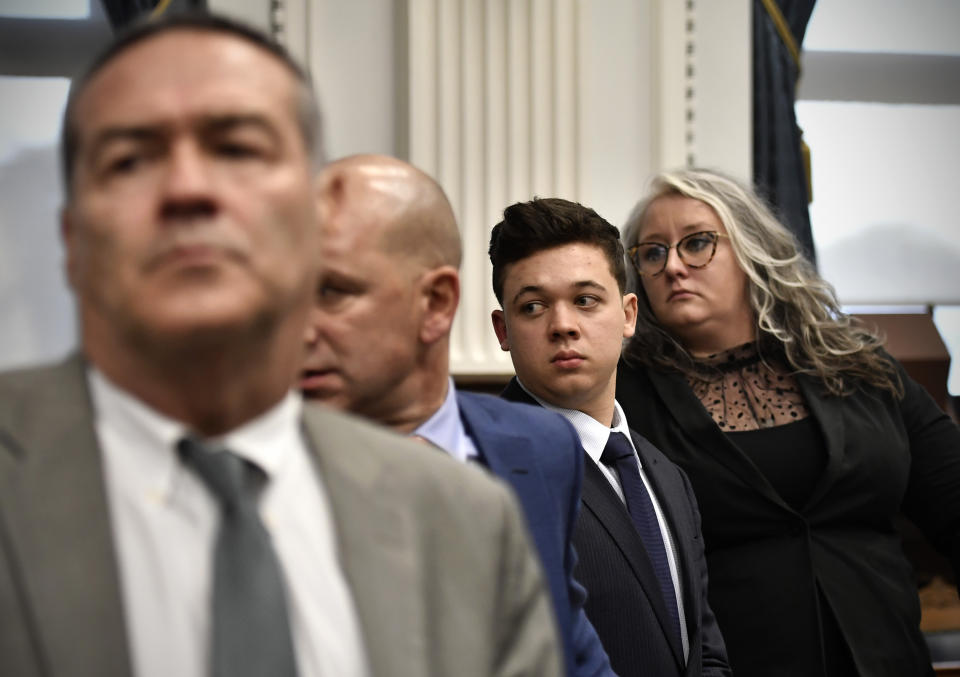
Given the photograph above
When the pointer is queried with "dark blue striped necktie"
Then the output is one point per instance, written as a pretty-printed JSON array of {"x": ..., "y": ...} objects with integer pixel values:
[{"x": 618, "y": 454}]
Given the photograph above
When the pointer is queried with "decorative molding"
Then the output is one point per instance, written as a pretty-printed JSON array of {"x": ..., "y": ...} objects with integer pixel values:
[
  {"x": 673, "y": 119},
  {"x": 493, "y": 116},
  {"x": 704, "y": 85},
  {"x": 278, "y": 25},
  {"x": 689, "y": 83}
]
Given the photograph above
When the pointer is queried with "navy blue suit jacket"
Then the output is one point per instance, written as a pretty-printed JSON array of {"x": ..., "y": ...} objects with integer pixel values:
[
  {"x": 539, "y": 454},
  {"x": 624, "y": 600}
]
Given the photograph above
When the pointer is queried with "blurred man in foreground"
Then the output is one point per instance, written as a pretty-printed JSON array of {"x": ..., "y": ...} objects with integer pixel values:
[{"x": 167, "y": 507}]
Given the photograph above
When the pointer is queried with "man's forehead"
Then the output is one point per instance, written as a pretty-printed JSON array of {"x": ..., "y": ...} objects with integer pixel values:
[
  {"x": 567, "y": 269},
  {"x": 558, "y": 262},
  {"x": 367, "y": 197},
  {"x": 357, "y": 212},
  {"x": 348, "y": 236},
  {"x": 203, "y": 65}
]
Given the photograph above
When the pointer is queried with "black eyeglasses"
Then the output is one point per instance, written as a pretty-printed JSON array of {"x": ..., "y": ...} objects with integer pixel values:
[{"x": 695, "y": 250}]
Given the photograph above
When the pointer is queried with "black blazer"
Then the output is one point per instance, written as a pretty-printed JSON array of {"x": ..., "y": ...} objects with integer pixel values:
[
  {"x": 624, "y": 601},
  {"x": 768, "y": 560}
]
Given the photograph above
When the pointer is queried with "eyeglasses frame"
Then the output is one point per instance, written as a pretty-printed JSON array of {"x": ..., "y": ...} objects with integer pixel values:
[{"x": 632, "y": 252}]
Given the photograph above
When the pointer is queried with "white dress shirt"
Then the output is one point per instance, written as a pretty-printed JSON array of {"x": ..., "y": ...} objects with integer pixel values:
[
  {"x": 164, "y": 522},
  {"x": 593, "y": 437}
]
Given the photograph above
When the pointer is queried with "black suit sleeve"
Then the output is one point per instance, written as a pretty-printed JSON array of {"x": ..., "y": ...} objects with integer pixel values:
[{"x": 932, "y": 500}]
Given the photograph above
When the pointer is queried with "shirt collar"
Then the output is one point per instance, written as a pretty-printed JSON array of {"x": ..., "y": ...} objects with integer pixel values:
[
  {"x": 266, "y": 439},
  {"x": 260, "y": 441},
  {"x": 129, "y": 416},
  {"x": 593, "y": 434},
  {"x": 445, "y": 428}
]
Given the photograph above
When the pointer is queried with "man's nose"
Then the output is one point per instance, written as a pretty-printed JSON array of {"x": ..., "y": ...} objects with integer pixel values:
[
  {"x": 563, "y": 322},
  {"x": 188, "y": 184},
  {"x": 310, "y": 334},
  {"x": 311, "y": 331}
]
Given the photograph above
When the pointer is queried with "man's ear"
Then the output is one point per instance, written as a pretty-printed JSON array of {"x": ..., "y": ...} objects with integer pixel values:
[
  {"x": 500, "y": 329},
  {"x": 629, "y": 315},
  {"x": 440, "y": 289}
]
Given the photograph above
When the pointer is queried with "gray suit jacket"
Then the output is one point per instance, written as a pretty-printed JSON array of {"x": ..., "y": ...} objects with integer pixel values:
[{"x": 435, "y": 553}]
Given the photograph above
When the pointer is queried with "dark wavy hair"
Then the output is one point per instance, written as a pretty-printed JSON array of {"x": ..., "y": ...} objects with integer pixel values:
[{"x": 531, "y": 227}]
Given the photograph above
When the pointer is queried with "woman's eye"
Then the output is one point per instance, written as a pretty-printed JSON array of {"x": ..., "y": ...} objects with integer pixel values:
[
  {"x": 697, "y": 243},
  {"x": 653, "y": 253}
]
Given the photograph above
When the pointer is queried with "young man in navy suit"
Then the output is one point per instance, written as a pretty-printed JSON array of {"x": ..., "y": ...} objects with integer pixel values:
[
  {"x": 378, "y": 346},
  {"x": 558, "y": 273}
]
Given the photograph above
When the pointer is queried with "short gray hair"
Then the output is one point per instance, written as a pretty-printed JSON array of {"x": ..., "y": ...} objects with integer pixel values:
[{"x": 308, "y": 111}]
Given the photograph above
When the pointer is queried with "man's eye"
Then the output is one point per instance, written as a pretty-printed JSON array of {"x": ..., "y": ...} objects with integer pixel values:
[
  {"x": 586, "y": 301},
  {"x": 238, "y": 151},
  {"x": 531, "y": 308},
  {"x": 327, "y": 293},
  {"x": 124, "y": 164}
]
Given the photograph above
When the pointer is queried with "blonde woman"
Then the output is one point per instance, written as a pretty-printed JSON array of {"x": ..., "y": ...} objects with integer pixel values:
[{"x": 802, "y": 438}]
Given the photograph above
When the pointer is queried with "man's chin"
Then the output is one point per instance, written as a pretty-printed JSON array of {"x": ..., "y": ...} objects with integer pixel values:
[
  {"x": 200, "y": 329},
  {"x": 207, "y": 327},
  {"x": 567, "y": 391}
]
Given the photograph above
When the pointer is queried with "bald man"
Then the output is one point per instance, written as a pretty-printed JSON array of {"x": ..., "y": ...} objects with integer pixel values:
[{"x": 378, "y": 346}]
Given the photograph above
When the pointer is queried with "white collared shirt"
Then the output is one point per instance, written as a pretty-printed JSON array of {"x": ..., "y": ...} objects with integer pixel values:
[
  {"x": 164, "y": 522},
  {"x": 593, "y": 437}
]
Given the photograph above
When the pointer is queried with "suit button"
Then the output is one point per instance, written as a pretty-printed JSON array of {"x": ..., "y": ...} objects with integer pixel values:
[{"x": 798, "y": 527}]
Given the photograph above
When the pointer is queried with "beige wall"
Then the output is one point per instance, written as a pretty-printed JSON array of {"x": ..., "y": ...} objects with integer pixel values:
[{"x": 503, "y": 100}]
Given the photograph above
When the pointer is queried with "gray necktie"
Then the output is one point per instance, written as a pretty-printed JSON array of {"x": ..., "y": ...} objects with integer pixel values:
[{"x": 251, "y": 632}]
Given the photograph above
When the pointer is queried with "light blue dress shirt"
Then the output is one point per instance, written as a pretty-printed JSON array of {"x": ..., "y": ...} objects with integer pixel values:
[{"x": 445, "y": 429}]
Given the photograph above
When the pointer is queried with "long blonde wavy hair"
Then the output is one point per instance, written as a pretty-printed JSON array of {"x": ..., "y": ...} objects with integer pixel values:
[{"x": 798, "y": 315}]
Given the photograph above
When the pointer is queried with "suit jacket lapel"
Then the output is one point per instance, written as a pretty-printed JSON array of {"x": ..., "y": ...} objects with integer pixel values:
[
  {"x": 491, "y": 442},
  {"x": 601, "y": 500},
  {"x": 830, "y": 420},
  {"x": 55, "y": 518},
  {"x": 515, "y": 393},
  {"x": 373, "y": 537},
  {"x": 506, "y": 455}
]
